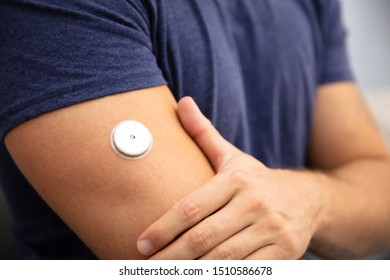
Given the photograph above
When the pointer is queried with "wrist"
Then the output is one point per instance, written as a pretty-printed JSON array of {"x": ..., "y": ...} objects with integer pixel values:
[
  {"x": 325, "y": 188},
  {"x": 317, "y": 189},
  {"x": 331, "y": 211}
]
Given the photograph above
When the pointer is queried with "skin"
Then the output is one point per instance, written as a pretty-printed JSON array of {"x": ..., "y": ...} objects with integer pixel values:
[
  {"x": 340, "y": 209},
  {"x": 248, "y": 211},
  {"x": 107, "y": 200}
]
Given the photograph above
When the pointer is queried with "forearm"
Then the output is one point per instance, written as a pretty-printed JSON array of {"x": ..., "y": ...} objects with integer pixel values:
[
  {"x": 354, "y": 220},
  {"x": 249, "y": 211}
]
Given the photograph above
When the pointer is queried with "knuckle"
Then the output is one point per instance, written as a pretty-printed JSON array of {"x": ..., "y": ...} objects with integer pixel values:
[
  {"x": 225, "y": 253},
  {"x": 190, "y": 211},
  {"x": 203, "y": 130},
  {"x": 276, "y": 224},
  {"x": 289, "y": 243},
  {"x": 239, "y": 178},
  {"x": 156, "y": 230},
  {"x": 200, "y": 241},
  {"x": 256, "y": 204},
  {"x": 292, "y": 246}
]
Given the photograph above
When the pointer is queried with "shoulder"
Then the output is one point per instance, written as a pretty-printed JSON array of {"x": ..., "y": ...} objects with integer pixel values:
[{"x": 59, "y": 53}]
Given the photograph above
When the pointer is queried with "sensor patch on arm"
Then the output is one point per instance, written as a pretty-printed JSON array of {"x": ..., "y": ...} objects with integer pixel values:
[{"x": 131, "y": 140}]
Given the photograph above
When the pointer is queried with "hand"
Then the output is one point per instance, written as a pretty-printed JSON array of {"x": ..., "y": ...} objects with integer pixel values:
[{"x": 246, "y": 211}]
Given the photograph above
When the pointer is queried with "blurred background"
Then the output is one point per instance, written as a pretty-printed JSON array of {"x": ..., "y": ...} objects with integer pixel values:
[{"x": 368, "y": 22}]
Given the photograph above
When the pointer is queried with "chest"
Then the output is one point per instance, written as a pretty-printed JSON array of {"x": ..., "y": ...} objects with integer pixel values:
[{"x": 248, "y": 64}]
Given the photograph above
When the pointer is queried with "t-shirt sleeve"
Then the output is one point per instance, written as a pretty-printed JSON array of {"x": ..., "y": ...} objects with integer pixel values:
[
  {"x": 58, "y": 53},
  {"x": 335, "y": 62}
]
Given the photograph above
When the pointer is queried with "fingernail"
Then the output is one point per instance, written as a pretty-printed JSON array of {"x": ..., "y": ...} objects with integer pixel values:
[{"x": 145, "y": 247}]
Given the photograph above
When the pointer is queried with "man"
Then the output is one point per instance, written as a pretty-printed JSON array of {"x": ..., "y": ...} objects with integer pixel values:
[{"x": 307, "y": 168}]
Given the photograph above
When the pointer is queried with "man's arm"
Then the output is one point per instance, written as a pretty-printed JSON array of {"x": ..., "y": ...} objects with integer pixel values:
[
  {"x": 347, "y": 146},
  {"x": 107, "y": 200},
  {"x": 255, "y": 212}
]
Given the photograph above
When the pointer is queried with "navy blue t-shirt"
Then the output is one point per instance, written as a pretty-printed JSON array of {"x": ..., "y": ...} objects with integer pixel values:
[{"x": 253, "y": 67}]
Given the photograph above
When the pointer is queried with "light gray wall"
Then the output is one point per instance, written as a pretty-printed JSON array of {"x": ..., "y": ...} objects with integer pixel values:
[{"x": 368, "y": 22}]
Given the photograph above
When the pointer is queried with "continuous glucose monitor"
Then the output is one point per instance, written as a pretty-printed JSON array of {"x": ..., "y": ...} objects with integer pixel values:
[{"x": 131, "y": 139}]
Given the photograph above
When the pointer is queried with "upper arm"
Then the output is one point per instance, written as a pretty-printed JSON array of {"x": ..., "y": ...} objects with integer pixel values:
[
  {"x": 342, "y": 128},
  {"x": 108, "y": 200}
]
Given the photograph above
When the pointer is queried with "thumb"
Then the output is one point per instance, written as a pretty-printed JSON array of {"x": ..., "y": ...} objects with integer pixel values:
[{"x": 214, "y": 146}]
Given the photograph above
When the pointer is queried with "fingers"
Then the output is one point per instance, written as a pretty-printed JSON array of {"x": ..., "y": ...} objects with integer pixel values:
[
  {"x": 270, "y": 252},
  {"x": 185, "y": 214},
  {"x": 237, "y": 247},
  {"x": 207, "y": 234},
  {"x": 215, "y": 147},
  {"x": 205, "y": 200}
]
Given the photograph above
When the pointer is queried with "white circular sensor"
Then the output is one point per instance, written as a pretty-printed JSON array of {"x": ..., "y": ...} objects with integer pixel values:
[{"x": 131, "y": 139}]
